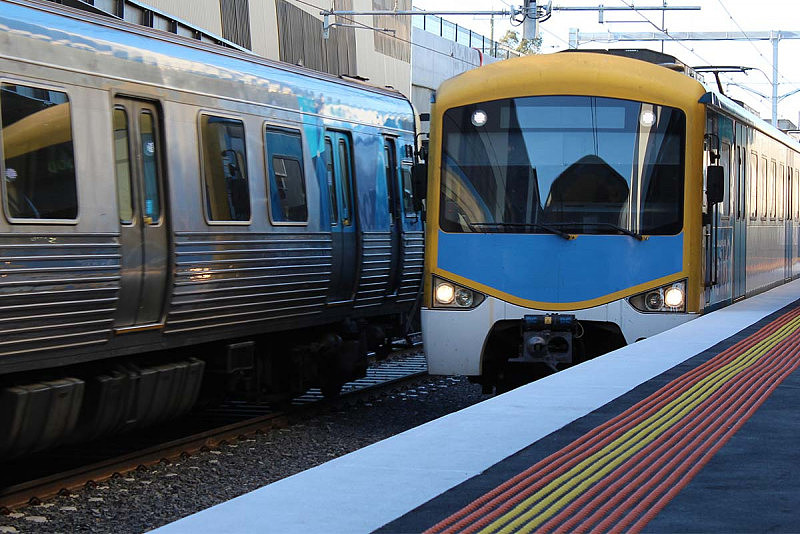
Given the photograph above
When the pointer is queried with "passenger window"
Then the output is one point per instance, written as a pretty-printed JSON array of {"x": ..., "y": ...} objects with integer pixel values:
[
  {"x": 334, "y": 211},
  {"x": 771, "y": 197},
  {"x": 225, "y": 168},
  {"x": 39, "y": 158},
  {"x": 287, "y": 184},
  {"x": 752, "y": 184},
  {"x": 762, "y": 186},
  {"x": 389, "y": 171},
  {"x": 780, "y": 193},
  {"x": 122, "y": 162},
  {"x": 408, "y": 196},
  {"x": 152, "y": 198}
]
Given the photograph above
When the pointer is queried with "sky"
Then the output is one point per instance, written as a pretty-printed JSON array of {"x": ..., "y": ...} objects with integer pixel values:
[{"x": 733, "y": 16}]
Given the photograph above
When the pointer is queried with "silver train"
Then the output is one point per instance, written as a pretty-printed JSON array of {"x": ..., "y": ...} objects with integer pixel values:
[{"x": 183, "y": 222}]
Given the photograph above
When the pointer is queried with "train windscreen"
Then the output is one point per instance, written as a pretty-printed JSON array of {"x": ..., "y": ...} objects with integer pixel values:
[{"x": 577, "y": 164}]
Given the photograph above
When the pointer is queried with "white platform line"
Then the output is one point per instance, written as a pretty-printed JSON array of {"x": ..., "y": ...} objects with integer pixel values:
[{"x": 368, "y": 488}]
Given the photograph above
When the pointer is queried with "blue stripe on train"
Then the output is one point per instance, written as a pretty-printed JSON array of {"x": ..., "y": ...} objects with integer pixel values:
[{"x": 548, "y": 268}]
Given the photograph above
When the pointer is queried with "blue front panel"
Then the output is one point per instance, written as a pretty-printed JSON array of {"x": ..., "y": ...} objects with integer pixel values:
[{"x": 548, "y": 268}]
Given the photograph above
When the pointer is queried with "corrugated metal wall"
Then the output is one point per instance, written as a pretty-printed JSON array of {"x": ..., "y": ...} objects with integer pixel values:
[
  {"x": 236, "y": 21},
  {"x": 301, "y": 41},
  {"x": 397, "y": 44}
]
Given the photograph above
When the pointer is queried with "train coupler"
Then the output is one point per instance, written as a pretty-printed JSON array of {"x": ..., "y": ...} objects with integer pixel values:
[{"x": 547, "y": 339}]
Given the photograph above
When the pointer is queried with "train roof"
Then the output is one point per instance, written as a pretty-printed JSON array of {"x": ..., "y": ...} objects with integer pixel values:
[{"x": 131, "y": 53}]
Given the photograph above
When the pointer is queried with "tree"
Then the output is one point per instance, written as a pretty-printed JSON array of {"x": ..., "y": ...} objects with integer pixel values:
[{"x": 523, "y": 46}]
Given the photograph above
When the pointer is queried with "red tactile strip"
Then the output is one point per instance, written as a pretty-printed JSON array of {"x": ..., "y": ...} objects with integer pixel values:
[{"x": 620, "y": 475}]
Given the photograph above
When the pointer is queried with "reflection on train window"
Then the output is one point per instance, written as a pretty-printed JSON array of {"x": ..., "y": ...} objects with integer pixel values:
[
  {"x": 152, "y": 199},
  {"x": 122, "y": 162},
  {"x": 225, "y": 168},
  {"x": 39, "y": 161},
  {"x": 580, "y": 164},
  {"x": 408, "y": 196},
  {"x": 287, "y": 184}
]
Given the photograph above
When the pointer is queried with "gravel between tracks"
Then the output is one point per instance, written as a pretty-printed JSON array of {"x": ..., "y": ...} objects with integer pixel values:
[{"x": 143, "y": 500}]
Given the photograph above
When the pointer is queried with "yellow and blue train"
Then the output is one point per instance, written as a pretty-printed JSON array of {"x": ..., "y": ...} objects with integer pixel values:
[{"x": 578, "y": 202}]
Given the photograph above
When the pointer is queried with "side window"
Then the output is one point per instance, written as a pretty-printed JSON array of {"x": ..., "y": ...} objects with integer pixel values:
[
  {"x": 224, "y": 168},
  {"x": 762, "y": 187},
  {"x": 725, "y": 161},
  {"x": 390, "y": 174},
  {"x": 752, "y": 184},
  {"x": 408, "y": 196},
  {"x": 345, "y": 159},
  {"x": 122, "y": 162},
  {"x": 38, "y": 154},
  {"x": 287, "y": 183},
  {"x": 771, "y": 197},
  {"x": 152, "y": 196},
  {"x": 780, "y": 193},
  {"x": 331, "y": 176}
]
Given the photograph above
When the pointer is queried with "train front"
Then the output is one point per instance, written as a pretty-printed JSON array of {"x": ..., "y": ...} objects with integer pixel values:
[{"x": 563, "y": 213}]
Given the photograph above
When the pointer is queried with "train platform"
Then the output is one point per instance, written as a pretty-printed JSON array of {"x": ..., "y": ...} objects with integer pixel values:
[{"x": 692, "y": 430}]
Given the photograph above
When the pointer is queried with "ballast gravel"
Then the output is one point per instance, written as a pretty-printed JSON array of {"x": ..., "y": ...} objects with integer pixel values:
[{"x": 143, "y": 500}]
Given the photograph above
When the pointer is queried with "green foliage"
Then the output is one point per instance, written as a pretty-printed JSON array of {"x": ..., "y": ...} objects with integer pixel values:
[{"x": 524, "y": 46}]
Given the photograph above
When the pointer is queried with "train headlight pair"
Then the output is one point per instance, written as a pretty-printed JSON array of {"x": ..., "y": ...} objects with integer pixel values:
[
  {"x": 669, "y": 298},
  {"x": 449, "y": 295}
]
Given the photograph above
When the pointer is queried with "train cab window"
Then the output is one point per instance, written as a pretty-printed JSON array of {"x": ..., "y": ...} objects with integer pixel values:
[
  {"x": 224, "y": 168},
  {"x": 38, "y": 154},
  {"x": 287, "y": 184}
]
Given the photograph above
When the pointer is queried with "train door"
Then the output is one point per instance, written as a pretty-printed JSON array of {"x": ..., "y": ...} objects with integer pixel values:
[
  {"x": 142, "y": 214},
  {"x": 339, "y": 164},
  {"x": 740, "y": 215},
  {"x": 395, "y": 213},
  {"x": 719, "y": 230}
]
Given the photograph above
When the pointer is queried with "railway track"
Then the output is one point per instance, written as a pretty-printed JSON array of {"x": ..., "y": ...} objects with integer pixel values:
[{"x": 38, "y": 478}]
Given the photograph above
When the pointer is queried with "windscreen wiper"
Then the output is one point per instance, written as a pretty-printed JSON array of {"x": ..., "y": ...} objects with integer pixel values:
[
  {"x": 522, "y": 226},
  {"x": 616, "y": 227}
]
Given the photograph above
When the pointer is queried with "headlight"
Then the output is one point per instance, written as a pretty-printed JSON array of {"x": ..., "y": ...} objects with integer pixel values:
[
  {"x": 449, "y": 295},
  {"x": 669, "y": 298}
]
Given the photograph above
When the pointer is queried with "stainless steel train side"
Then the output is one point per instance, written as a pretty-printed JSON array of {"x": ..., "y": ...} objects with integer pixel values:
[{"x": 252, "y": 218}]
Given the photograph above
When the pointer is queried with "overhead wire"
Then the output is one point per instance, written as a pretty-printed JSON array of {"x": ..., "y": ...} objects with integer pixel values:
[{"x": 411, "y": 43}]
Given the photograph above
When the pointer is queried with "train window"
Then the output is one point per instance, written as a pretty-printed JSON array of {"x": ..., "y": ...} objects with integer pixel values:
[
  {"x": 752, "y": 184},
  {"x": 796, "y": 195},
  {"x": 345, "y": 159},
  {"x": 408, "y": 196},
  {"x": 725, "y": 161},
  {"x": 583, "y": 164},
  {"x": 224, "y": 168},
  {"x": 780, "y": 193},
  {"x": 334, "y": 211},
  {"x": 122, "y": 163},
  {"x": 149, "y": 144},
  {"x": 762, "y": 186},
  {"x": 287, "y": 184},
  {"x": 789, "y": 194},
  {"x": 39, "y": 158},
  {"x": 390, "y": 173},
  {"x": 771, "y": 182}
]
